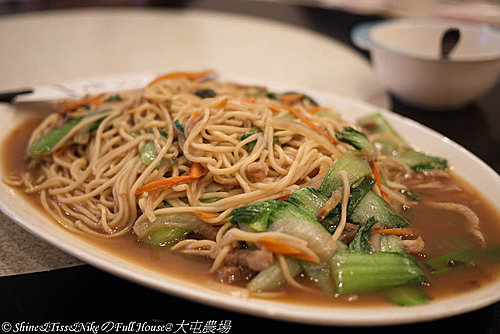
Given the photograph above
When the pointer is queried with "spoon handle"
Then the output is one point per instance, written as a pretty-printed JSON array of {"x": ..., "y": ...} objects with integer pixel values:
[{"x": 449, "y": 40}]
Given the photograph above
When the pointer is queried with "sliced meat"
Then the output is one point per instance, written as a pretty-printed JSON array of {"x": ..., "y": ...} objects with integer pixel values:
[
  {"x": 229, "y": 274},
  {"x": 414, "y": 246},
  {"x": 349, "y": 232},
  {"x": 255, "y": 259},
  {"x": 259, "y": 259},
  {"x": 257, "y": 171}
]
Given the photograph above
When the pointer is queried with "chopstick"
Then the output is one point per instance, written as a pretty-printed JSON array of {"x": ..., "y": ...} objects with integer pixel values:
[{"x": 10, "y": 96}]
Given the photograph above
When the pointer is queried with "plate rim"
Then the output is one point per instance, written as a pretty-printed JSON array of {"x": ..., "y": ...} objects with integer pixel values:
[{"x": 290, "y": 312}]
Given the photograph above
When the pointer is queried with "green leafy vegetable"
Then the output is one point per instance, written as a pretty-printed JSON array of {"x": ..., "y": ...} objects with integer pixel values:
[
  {"x": 205, "y": 93},
  {"x": 304, "y": 97},
  {"x": 210, "y": 200},
  {"x": 356, "y": 139},
  {"x": 463, "y": 259},
  {"x": 328, "y": 114},
  {"x": 272, "y": 277},
  {"x": 361, "y": 241},
  {"x": 356, "y": 272},
  {"x": 46, "y": 142},
  {"x": 114, "y": 98},
  {"x": 272, "y": 95},
  {"x": 413, "y": 196},
  {"x": 148, "y": 153},
  {"x": 259, "y": 215},
  {"x": 253, "y": 130},
  {"x": 165, "y": 236},
  {"x": 179, "y": 126},
  {"x": 391, "y": 243},
  {"x": 353, "y": 163},
  {"x": 390, "y": 143},
  {"x": 407, "y": 295},
  {"x": 375, "y": 206},
  {"x": 320, "y": 274}
]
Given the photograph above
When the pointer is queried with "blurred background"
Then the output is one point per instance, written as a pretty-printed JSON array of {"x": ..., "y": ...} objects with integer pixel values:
[{"x": 487, "y": 11}]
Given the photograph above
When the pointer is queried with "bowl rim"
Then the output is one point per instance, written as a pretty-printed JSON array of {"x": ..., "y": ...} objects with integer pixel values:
[{"x": 360, "y": 35}]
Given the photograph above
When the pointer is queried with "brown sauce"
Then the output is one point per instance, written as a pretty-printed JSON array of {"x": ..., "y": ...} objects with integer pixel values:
[{"x": 435, "y": 225}]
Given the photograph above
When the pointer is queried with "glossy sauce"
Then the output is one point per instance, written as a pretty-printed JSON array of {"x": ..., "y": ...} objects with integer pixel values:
[{"x": 435, "y": 225}]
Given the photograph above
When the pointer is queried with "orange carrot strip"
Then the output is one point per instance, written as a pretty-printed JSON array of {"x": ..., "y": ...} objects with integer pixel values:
[
  {"x": 401, "y": 231},
  {"x": 61, "y": 151},
  {"x": 132, "y": 111},
  {"x": 249, "y": 99},
  {"x": 274, "y": 108},
  {"x": 187, "y": 75},
  {"x": 315, "y": 110},
  {"x": 206, "y": 215},
  {"x": 92, "y": 100},
  {"x": 284, "y": 248},
  {"x": 291, "y": 98},
  {"x": 378, "y": 179},
  {"x": 195, "y": 173},
  {"x": 195, "y": 116},
  {"x": 223, "y": 103},
  {"x": 304, "y": 120},
  {"x": 163, "y": 183}
]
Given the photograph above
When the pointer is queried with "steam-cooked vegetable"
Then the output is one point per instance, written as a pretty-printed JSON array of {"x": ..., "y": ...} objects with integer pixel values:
[
  {"x": 272, "y": 277},
  {"x": 356, "y": 272},
  {"x": 390, "y": 143}
]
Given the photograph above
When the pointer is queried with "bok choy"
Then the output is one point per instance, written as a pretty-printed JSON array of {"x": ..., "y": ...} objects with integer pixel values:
[
  {"x": 390, "y": 143},
  {"x": 168, "y": 229},
  {"x": 272, "y": 277}
]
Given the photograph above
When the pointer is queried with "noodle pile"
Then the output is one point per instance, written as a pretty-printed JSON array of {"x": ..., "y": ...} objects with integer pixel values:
[
  {"x": 91, "y": 185},
  {"x": 249, "y": 145}
]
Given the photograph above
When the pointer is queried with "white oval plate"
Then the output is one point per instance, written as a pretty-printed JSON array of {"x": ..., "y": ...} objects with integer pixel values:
[{"x": 464, "y": 164}]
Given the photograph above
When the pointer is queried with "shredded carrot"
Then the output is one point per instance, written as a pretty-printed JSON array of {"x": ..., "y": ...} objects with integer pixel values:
[
  {"x": 274, "y": 108},
  {"x": 163, "y": 183},
  {"x": 132, "y": 111},
  {"x": 401, "y": 231},
  {"x": 187, "y": 75},
  {"x": 283, "y": 248},
  {"x": 291, "y": 98},
  {"x": 195, "y": 116},
  {"x": 249, "y": 99},
  {"x": 315, "y": 110},
  {"x": 223, "y": 103},
  {"x": 378, "y": 179},
  {"x": 91, "y": 100},
  {"x": 206, "y": 215},
  {"x": 61, "y": 151},
  {"x": 195, "y": 173},
  {"x": 304, "y": 120}
]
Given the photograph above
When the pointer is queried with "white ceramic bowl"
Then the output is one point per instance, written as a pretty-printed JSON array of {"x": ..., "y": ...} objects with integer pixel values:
[{"x": 405, "y": 55}]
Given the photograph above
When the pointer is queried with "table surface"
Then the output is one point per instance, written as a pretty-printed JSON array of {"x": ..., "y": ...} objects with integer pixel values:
[{"x": 84, "y": 293}]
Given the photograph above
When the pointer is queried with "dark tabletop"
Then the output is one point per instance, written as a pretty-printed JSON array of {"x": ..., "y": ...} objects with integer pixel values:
[{"x": 85, "y": 294}]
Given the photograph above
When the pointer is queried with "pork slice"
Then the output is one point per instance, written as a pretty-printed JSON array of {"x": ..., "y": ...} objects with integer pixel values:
[
  {"x": 257, "y": 171},
  {"x": 229, "y": 274},
  {"x": 254, "y": 259}
]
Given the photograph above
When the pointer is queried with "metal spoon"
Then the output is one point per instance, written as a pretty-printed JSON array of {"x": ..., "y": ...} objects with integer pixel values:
[{"x": 449, "y": 41}]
